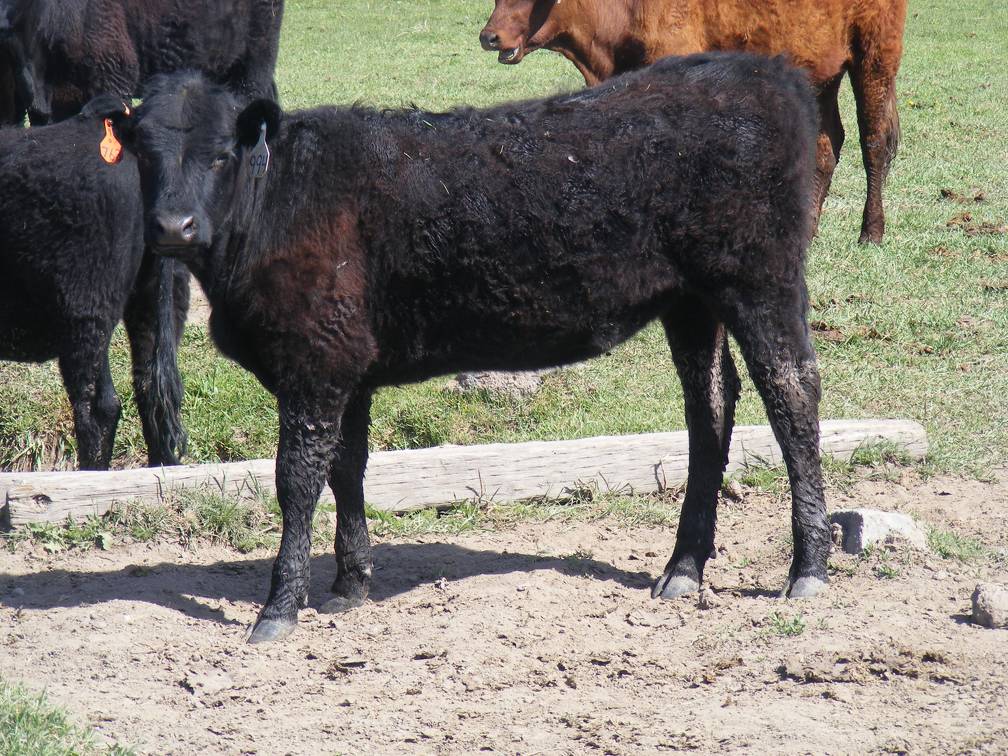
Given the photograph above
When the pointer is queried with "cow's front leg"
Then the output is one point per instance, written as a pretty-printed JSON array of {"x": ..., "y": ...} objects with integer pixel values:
[{"x": 309, "y": 435}]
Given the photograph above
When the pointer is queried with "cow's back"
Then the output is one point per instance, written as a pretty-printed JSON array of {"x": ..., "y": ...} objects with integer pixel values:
[
  {"x": 818, "y": 35},
  {"x": 521, "y": 213}
]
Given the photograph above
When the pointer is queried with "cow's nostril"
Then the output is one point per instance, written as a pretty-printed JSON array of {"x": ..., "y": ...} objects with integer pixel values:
[
  {"x": 173, "y": 230},
  {"x": 489, "y": 40}
]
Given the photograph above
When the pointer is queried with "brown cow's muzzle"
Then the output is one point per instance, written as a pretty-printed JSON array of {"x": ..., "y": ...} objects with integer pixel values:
[{"x": 509, "y": 51}]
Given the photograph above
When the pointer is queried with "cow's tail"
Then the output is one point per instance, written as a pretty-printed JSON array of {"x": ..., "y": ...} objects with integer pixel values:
[{"x": 166, "y": 380}]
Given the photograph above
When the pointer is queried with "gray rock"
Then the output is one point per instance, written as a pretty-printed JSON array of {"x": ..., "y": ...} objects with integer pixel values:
[
  {"x": 517, "y": 384},
  {"x": 990, "y": 605},
  {"x": 863, "y": 527}
]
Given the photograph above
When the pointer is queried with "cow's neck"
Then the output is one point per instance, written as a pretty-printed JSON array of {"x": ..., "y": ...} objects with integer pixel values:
[{"x": 603, "y": 38}]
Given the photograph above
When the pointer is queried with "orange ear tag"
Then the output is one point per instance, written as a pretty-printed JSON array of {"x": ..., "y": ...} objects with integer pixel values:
[{"x": 110, "y": 148}]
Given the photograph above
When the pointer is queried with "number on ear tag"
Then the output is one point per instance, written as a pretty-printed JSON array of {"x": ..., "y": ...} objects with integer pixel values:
[
  {"x": 259, "y": 158},
  {"x": 110, "y": 148}
]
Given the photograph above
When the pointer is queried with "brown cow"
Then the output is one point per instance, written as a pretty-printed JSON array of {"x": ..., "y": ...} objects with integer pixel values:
[{"x": 826, "y": 37}]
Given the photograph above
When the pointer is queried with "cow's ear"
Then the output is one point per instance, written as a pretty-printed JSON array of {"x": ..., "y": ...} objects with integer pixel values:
[
  {"x": 251, "y": 119},
  {"x": 106, "y": 106},
  {"x": 118, "y": 118}
]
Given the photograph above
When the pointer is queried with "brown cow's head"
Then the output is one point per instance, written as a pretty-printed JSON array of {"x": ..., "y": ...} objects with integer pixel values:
[{"x": 517, "y": 27}]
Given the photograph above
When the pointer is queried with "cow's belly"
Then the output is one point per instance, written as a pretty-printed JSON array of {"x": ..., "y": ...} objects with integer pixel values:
[
  {"x": 538, "y": 335},
  {"x": 27, "y": 334}
]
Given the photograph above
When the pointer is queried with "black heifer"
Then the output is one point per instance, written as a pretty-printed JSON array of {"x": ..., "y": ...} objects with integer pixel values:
[
  {"x": 72, "y": 50},
  {"x": 72, "y": 264},
  {"x": 381, "y": 247}
]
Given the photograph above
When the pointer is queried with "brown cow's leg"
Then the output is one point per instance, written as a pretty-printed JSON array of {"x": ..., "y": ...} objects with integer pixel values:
[
  {"x": 831, "y": 139},
  {"x": 346, "y": 478},
  {"x": 774, "y": 339},
  {"x": 873, "y": 78},
  {"x": 710, "y": 389},
  {"x": 309, "y": 437}
]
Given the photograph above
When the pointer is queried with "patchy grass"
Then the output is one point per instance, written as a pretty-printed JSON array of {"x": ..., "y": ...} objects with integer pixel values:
[
  {"x": 250, "y": 522},
  {"x": 783, "y": 626},
  {"x": 950, "y": 545},
  {"x": 917, "y": 327},
  {"x": 886, "y": 571},
  {"x": 31, "y": 726}
]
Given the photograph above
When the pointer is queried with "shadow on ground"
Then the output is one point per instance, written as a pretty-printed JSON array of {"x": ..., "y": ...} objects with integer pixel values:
[{"x": 399, "y": 568}]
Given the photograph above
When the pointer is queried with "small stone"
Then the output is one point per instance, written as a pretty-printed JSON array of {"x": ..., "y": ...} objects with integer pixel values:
[
  {"x": 707, "y": 598},
  {"x": 863, "y": 527},
  {"x": 990, "y": 605},
  {"x": 733, "y": 490}
]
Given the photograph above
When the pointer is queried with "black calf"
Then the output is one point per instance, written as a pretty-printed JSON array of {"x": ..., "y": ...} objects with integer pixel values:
[
  {"x": 72, "y": 264},
  {"x": 379, "y": 247}
]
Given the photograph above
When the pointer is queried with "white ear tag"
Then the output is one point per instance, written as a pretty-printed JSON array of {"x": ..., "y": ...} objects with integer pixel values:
[{"x": 260, "y": 156}]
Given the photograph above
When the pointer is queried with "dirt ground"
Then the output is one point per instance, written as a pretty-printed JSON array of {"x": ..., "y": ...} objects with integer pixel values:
[{"x": 541, "y": 639}]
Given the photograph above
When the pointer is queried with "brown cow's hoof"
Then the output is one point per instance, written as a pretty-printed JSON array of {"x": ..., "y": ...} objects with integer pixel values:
[
  {"x": 268, "y": 630},
  {"x": 804, "y": 587},
  {"x": 673, "y": 586},
  {"x": 341, "y": 604},
  {"x": 870, "y": 237}
]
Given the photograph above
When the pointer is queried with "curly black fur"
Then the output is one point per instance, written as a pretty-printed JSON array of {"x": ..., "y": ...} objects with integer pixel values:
[
  {"x": 73, "y": 50},
  {"x": 72, "y": 264},
  {"x": 389, "y": 246}
]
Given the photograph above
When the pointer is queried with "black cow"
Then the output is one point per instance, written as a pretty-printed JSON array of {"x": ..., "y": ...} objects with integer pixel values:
[
  {"x": 72, "y": 50},
  {"x": 380, "y": 247},
  {"x": 72, "y": 264}
]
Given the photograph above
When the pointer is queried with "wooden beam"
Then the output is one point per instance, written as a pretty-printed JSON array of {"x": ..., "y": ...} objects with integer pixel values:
[{"x": 414, "y": 479}]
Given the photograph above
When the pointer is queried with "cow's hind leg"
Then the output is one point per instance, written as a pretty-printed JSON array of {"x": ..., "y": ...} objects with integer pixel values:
[
  {"x": 346, "y": 478},
  {"x": 829, "y": 144},
  {"x": 710, "y": 389},
  {"x": 96, "y": 407},
  {"x": 309, "y": 437},
  {"x": 873, "y": 78},
  {"x": 774, "y": 339}
]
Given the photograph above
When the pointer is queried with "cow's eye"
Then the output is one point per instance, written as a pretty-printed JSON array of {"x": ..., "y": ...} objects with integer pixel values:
[{"x": 220, "y": 161}]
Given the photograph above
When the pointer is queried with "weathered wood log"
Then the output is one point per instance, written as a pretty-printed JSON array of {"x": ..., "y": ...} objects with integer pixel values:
[{"x": 414, "y": 479}]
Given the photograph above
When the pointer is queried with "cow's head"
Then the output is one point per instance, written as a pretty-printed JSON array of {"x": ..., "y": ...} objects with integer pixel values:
[
  {"x": 517, "y": 27},
  {"x": 193, "y": 143}
]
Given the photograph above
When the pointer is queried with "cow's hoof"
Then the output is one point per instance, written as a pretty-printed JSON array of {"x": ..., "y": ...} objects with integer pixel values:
[
  {"x": 268, "y": 630},
  {"x": 804, "y": 587},
  {"x": 673, "y": 586},
  {"x": 341, "y": 604}
]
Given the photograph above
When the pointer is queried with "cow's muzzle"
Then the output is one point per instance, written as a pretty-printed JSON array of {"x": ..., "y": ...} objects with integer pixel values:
[
  {"x": 172, "y": 230},
  {"x": 489, "y": 40}
]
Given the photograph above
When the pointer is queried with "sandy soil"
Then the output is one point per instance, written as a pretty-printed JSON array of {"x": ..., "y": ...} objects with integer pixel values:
[{"x": 542, "y": 639}]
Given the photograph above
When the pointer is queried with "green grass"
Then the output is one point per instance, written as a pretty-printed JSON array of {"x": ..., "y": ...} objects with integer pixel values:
[
  {"x": 31, "y": 726},
  {"x": 247, "y": 523},
  {"x": 916, "y": 328},
  {"x": 780, "y": 625},
  {"x": 950, "y": 545}
]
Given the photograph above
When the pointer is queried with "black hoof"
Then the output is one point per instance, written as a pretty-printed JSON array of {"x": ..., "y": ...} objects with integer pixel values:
[
  {"x": 673, "y": 586},
  {"x": 268, "y": 630},
  {"x": 341, "y": 604}
]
